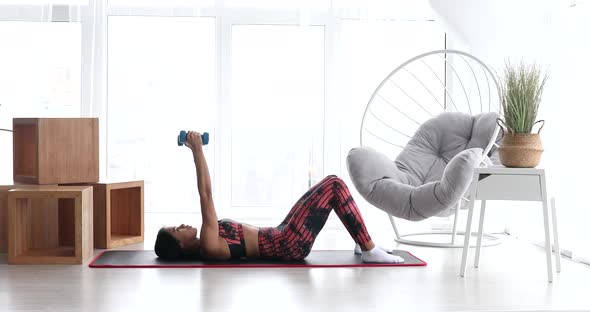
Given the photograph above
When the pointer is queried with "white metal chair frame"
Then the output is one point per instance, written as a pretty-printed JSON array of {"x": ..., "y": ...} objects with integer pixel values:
[{"x": 403, "y": 238}]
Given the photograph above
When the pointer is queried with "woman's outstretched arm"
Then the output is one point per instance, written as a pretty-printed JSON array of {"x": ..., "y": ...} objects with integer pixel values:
[{"x": 211, "y": 244}]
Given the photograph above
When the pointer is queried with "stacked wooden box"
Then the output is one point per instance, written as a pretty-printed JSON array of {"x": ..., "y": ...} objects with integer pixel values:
[
  {"x": 118, "y": 213},
  {"x": 57, "y": 211}
]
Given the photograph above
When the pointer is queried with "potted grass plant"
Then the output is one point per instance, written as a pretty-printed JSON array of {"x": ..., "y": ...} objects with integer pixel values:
[{"x": 521, "y": 89}]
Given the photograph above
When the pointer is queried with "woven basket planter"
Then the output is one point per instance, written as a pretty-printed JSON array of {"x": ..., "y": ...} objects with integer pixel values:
[{"x": 521, "y": 150}]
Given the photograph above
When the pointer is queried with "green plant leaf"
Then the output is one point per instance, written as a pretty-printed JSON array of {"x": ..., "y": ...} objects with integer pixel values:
[{"x": 521, "y": 88}]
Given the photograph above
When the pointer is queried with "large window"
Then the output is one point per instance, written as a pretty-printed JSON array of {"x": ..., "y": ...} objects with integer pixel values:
[
  {"x": 161, "y": 79},
  {"x": 280, "y": 86},
  {"x": 39, "y": 76},
  {"x": 277, "y": 115},
  {"x": 282, "y": 102}
]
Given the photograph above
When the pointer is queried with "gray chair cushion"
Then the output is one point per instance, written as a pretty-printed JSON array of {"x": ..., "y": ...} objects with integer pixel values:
[{"x": 432, "y": 172}]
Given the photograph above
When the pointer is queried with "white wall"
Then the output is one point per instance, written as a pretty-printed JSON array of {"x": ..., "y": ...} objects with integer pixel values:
[
  {"x": 555, "y": 35},
  {"x": 5, "y": 148},
  {"x": 5, "y": 157},
  {"x": 500, "y": 28}
]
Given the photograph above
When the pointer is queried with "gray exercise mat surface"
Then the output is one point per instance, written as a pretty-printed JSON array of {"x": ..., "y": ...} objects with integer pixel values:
[{"x": 321, "y": 258}]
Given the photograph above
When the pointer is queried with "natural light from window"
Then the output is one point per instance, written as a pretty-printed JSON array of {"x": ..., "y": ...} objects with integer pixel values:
[
  {"x": 277, "y": 114},
  {"x": 161, "y": 79}
]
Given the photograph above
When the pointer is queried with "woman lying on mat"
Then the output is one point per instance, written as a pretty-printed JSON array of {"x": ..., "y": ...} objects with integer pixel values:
[{"x": 291, "y": 240}]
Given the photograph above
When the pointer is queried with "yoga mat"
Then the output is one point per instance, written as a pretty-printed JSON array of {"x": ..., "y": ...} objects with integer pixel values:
[{"x": 316, "y": 259}]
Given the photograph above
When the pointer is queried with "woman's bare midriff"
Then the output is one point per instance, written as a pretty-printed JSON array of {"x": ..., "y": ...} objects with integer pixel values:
[{"x": 251, "y": 239}]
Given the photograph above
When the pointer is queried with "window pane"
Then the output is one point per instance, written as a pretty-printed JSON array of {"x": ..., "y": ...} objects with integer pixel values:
[
  {"x": 277, "y": 113},
  {"x": 161, "y": 79},
  {"x": 39, "y": 76}
]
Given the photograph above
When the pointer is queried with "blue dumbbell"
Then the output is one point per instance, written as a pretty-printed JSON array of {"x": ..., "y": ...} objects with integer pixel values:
[{"x": 182, "y": 138}]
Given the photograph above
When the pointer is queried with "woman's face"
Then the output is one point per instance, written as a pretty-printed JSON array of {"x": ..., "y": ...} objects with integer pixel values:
[{"x": 186, "y": 235}]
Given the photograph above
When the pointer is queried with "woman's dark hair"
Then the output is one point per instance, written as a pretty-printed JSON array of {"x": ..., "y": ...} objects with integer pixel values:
[{"x": 167, "y": 246}]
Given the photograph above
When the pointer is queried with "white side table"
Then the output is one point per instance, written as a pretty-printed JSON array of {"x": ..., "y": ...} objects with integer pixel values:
[{"x": 502, "y": 183}]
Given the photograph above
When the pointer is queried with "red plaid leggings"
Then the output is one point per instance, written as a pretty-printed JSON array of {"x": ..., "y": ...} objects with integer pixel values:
[{"x": 294, "y": 237}]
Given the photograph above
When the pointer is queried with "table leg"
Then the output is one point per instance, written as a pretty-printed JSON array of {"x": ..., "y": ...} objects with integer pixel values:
[
  {"x": 454, "y": 234},
  {"x": 480, "y": 232},
  {"x": 469, "y": 221},
  {"x": 555, "y": 237},
  {"x": 547, "y": 231}
]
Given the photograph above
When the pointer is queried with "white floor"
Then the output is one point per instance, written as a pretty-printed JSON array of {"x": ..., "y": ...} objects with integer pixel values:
[{"x": 512, "y": 276}]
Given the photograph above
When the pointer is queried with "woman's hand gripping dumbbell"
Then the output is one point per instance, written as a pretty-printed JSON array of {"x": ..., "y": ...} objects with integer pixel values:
[{"x": 182, "y": 139}]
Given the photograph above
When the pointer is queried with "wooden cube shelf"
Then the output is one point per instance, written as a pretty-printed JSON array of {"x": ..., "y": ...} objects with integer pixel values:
[
  {"x": 50, "y": 225},
  {"x": 55, "y": 150},
  {"x": 4, "y": 213},
  {"x": 4, "y": 217},
  {"x": 118, "y": 214}
]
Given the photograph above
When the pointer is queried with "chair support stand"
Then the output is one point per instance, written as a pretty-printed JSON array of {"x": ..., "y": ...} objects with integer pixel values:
[{"x": 491, "y": 240}]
